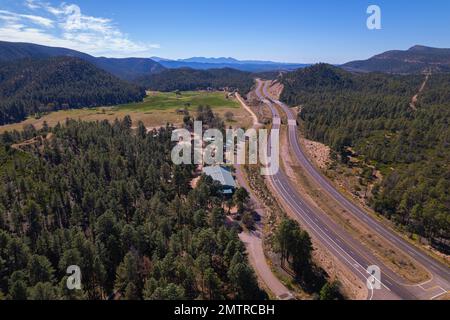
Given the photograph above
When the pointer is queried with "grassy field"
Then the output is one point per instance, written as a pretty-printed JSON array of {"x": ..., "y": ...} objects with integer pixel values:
[
  {"x": 156, "y": 110},
  {"x": 189, "y": 99}
]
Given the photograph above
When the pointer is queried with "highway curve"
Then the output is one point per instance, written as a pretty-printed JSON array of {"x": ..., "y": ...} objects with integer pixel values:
[{"x": 349, "y": 251}]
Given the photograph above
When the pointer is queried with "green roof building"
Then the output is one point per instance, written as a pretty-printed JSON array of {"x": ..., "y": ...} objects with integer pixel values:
[{"x": 222, "y": 175}]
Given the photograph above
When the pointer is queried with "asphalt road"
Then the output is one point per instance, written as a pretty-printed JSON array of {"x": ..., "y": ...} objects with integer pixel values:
[{"x": 338, "y": 242}]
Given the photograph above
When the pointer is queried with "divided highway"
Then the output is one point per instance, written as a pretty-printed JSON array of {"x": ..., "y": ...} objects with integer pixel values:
[{"x": 350, "y": 252}]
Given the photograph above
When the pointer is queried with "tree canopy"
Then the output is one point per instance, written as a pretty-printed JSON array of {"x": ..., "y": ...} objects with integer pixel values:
[
  {"x": 109, "y": 199},
  {"x": 186, "y": 79},
  {"x": 33, "y": 86}
]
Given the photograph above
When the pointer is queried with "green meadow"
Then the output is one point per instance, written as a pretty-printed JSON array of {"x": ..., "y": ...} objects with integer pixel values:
[{"x": 189, "y": 99}]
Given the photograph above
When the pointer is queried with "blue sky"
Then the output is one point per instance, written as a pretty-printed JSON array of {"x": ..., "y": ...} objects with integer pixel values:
[{"x": 331, "y": 31}]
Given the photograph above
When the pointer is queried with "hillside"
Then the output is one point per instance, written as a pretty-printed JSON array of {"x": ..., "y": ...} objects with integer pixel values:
[
  {"x": 321, "y": 82},
  {"x": 368, "y": 117},
  {"x": 33, "y": 86},
  {"x": 417, "y": 59},
  {"x": 186, "y": 79},
  {"x": 127, "y": 68}
]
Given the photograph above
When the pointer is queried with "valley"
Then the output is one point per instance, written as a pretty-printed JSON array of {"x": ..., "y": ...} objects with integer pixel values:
[{"x": 87, "y": 178}]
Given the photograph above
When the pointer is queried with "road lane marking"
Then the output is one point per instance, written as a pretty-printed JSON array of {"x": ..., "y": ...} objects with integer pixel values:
[
  {"x": 438, "y": 295},
  {"x": 412, "y": 253},
  {"x": 317, "y": 229},
  {"x": 330, "y": 242}
]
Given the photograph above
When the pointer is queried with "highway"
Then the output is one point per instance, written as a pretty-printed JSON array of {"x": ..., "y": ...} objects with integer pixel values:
[{"x": 349, "y": 251}]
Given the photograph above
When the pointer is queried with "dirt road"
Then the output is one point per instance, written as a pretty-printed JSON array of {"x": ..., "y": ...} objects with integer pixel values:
[
  {"x": 253, "y": 240},
  {"x": 416, "y": 97}
]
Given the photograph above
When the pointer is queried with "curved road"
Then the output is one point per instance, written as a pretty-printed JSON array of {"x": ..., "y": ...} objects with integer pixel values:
[{"x": 345, "y": 248}]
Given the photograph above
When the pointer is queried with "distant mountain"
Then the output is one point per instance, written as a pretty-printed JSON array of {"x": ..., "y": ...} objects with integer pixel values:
[
  {"x": 127, "y": 68},
  {"x": 211, "y": 60},
  {"x": 417, "y": 59},
  {"x": 30, "y": 86},
  {"x": 159, "y": 59},
  {"x": 186, "y": 79},
  {"x": 202, "y": 63}
]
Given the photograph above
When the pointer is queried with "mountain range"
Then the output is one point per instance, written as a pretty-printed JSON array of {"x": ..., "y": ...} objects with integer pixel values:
[
  {"x": 202, "y": 63},
  {"x": 417, "y": 59},
  {"x": 135, "y": 68}
]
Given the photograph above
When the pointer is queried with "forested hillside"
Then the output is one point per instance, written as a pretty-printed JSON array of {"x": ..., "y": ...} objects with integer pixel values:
[
  {"x": 29, "y": 86},
  {"x": 186, "y": 79},
  {"x": 415, "y": 60},
  {"x": 125, "y": 68},
  {"x": 371, "y": 113},
  {"x": 111, "y": 201}
]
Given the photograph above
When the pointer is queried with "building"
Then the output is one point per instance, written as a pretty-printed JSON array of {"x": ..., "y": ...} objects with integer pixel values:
[{"x": 222, "y": 175}]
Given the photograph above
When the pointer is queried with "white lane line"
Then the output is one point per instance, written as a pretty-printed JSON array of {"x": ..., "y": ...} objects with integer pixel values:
[
  {"x": 371, "y": 290},
  {"x": 423, "y": 283},
  {"x": 433, "y": 267},
  {"x": 392, "y": 239},
  {"x": 411, "y": 253},
  {"x": 292, "y": 202},
  {"x": 331, "y": 243},
  {"x": 439, "y": 294}
]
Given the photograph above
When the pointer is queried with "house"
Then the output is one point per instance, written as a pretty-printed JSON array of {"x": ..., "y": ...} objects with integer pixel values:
[{"x": 222, "y": 175}]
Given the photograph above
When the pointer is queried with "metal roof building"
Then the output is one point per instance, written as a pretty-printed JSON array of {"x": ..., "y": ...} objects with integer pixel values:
[{"x": 222, "y": 175}]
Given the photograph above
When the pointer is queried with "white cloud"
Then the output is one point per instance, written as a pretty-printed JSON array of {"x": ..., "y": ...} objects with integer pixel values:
[
  {"x": 12, "y": 16},
  {"x": 39, "y": 20},
  {"x": 31, "y": 4},
  {"x": 67, "y": 26}
]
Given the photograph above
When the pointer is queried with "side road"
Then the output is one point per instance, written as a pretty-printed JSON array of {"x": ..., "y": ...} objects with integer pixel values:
[
  {"x": 253, "y": 240},
  {"x": 254, "y": 244}
]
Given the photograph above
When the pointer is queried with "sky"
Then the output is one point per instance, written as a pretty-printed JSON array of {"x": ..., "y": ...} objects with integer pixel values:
[{"x": 332, "y": 31}]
